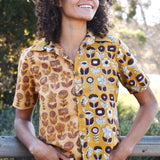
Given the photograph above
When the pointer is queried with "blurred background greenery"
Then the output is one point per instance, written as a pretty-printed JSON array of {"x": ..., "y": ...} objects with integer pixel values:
[{"x": 129, "y": 22}]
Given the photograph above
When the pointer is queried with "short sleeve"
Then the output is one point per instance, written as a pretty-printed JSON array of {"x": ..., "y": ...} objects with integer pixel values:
[
  {"x": 130, "y": 73},
  {"x": 25, "y": 94}
]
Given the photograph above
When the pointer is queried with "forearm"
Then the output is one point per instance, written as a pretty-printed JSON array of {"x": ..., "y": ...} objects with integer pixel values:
[
  {"x": 142, "y": 122},
  {"x": 25, "y": 132}
]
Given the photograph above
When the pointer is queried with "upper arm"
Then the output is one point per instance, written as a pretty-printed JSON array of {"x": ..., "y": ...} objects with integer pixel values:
[
  {"x": 146, "y": 97},
  {"x": 130, "y": 72},
  {"x": 23, "y": 124},
  {"x": 24, "y": 114},
  {"x": 25, "y": 94}
]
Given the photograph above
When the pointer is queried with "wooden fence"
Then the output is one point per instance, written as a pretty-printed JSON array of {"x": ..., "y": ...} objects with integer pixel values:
[{"x": 11, "y": 147}]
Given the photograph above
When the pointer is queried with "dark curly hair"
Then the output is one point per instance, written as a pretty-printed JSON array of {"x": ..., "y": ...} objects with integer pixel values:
[{"x": 49, "y": 19}]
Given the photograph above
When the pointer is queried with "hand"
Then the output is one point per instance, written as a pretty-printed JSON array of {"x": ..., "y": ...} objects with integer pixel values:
[
  {"x": 42, "y": 151},
  {"x": 121, "y": 152}
]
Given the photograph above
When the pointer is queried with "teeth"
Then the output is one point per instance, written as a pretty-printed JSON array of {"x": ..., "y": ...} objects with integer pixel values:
[{"x": 85, "y": 6}]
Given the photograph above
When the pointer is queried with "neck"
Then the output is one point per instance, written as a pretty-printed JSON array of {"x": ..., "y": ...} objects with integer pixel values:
[{"x": 72, "y": 34}]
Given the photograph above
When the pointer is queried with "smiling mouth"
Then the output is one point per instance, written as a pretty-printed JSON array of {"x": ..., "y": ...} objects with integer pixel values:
[{"x": 85, "y": 6}]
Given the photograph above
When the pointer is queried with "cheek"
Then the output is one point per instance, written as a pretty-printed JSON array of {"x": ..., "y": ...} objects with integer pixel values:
[{"x": 96, "y": 4}]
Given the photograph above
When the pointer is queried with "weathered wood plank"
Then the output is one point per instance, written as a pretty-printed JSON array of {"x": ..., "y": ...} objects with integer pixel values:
[
  {"x": 11, "y": 147},
  {"x": 148, "y": 146}
]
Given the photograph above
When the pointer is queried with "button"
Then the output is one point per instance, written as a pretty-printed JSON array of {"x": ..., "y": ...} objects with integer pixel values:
[
  {"x": 81, "y": 116},
  {"x": 79, "y": 93},
  {"x": 76, "y": 73},
  {"x": 82, "y": 136}
]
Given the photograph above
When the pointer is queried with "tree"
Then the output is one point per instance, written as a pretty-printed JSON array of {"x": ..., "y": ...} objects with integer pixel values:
[
  {"x": 129, "y": 15},
  {"x": 17, "y": 30}
]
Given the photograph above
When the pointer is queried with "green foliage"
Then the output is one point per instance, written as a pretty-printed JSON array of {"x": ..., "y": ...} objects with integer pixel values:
[
  {"x": 132, "y": 9},
  {"x": 6, "y": 119},
  {"x": 155, "y": 127},
  {"x": 130, "y": 12},
  {"x": 126, "y": 118},
  {"x": 117, "y": 7},
  {"x": 17, "y": 30},
  {"x": 18, "y": 22},
  {"x": 138, "y": 34},
  {"x": 7, "y": 115},
  {"x": 141, "y": 37}
]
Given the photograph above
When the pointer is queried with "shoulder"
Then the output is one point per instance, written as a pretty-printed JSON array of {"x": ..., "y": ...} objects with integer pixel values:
[
  {"x": 37, "y": 46},
  {"x": 116, "y": 41},
  {"x": 25, "y": 53}
]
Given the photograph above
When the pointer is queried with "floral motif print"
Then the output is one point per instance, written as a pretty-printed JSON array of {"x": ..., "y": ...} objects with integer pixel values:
[
  {"x": 66, "y": 76},
  {"x": 92, "y": 85},
  {"x": 49, "y": 76},
  {"x": 107, "y": 131},
  {"x": 60, "y": 128},
  {"x": 72, "y": 128},
  {"x": 102, "y": 64},
  {"x": 53, "y": 78}
]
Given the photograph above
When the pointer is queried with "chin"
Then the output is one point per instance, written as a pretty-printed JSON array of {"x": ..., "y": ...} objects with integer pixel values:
[{"x": 87, "y": 18}]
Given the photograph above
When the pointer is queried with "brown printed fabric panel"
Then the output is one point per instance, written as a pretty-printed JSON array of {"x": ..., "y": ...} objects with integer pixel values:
[{"x": 50, "y": 78}]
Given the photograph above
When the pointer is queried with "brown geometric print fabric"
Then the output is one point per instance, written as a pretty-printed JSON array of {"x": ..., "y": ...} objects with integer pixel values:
[
  {"x": 49, "y": 77},
  {"x": 91, "y": 84}
]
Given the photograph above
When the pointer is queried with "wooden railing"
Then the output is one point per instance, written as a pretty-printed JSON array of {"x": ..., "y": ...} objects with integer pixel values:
[{"x": 11, "y": 147}]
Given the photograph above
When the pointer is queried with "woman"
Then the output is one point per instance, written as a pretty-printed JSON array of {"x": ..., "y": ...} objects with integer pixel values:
[{"x": 78, "y": 66}]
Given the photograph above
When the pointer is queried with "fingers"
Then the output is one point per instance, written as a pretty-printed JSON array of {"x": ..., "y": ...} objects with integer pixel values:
[{"x": 62, "y": 157}]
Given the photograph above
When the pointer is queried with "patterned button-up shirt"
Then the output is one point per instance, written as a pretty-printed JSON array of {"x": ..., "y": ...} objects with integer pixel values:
[{"x": 45, "y": 71}]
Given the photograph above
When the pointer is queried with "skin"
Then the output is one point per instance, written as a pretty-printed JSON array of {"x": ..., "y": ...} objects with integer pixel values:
[{"x": 74, "y": 28}]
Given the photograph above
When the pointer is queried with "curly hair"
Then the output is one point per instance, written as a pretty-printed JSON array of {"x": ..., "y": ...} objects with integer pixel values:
[{"x": 49, "y": 19}]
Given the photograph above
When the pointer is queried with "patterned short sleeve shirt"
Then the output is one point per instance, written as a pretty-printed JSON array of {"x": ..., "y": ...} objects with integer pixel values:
[{"x": 90, "y": 85}]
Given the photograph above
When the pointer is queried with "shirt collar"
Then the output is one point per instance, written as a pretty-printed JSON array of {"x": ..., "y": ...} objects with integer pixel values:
[
  {"x": 56, "y": 48},
  {"x": 51, "y": 47},
  {"x": 91, "y": 38}
]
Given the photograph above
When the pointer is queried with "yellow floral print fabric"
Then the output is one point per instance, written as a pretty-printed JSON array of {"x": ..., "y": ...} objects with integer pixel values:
[
  {"x": 99, "y": 66},
  {"x": 91, "y": 84}
]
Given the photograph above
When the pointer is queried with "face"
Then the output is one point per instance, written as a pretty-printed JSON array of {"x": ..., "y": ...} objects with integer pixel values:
[{"x": 79, "y": 9}]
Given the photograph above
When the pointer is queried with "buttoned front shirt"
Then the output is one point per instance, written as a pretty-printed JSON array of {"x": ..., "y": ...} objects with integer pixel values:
[{"x": 90, "y": 85}]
